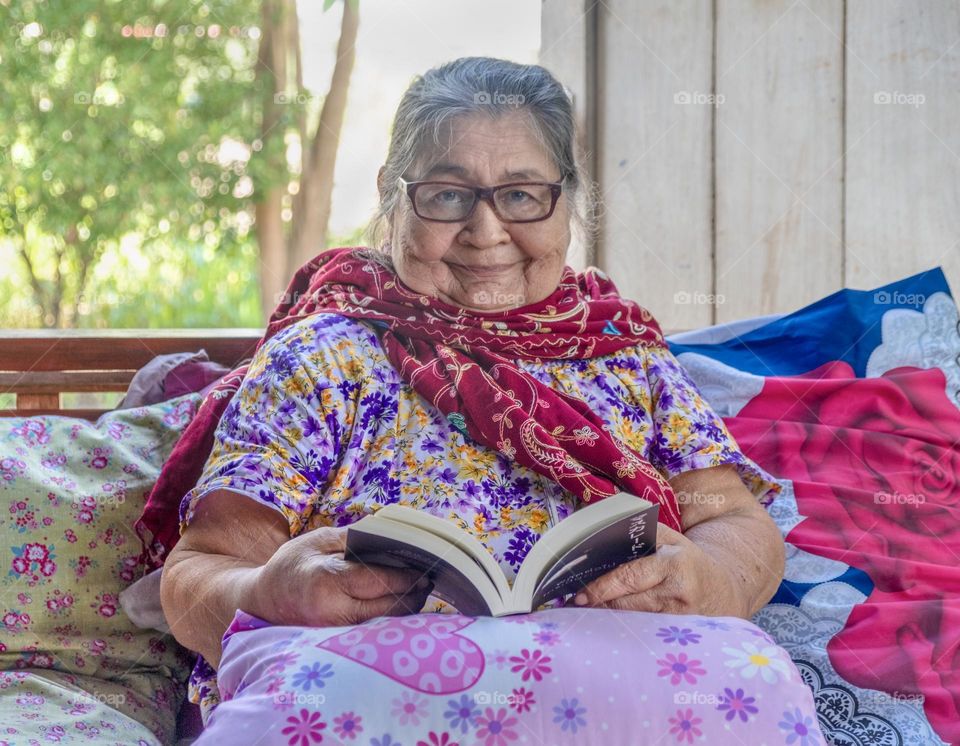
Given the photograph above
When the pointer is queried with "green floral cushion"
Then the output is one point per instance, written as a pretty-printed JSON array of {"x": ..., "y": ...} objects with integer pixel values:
[{"x": 70, "y": 491}]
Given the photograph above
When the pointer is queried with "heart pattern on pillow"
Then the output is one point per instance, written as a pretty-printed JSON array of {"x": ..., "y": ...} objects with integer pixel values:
[{"x": 423, "y": 652}]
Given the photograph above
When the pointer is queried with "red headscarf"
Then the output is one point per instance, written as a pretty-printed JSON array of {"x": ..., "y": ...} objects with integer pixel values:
[{"x": 463, "y": 364}]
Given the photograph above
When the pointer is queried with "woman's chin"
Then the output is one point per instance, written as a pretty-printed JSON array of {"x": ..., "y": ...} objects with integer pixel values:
[{"x": 490, "y": 298}]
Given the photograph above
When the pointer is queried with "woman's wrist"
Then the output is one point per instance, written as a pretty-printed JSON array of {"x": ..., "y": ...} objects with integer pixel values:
[
  {"x": 740, "y": 577},
  {"x": 734, "y": 597},
  {"x": 257, "y": 595},
  {"x": 746, "y": 573}
]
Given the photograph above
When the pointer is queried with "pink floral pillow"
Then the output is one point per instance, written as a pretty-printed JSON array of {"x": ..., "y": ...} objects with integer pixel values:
[{"x": 558, "y": 676}]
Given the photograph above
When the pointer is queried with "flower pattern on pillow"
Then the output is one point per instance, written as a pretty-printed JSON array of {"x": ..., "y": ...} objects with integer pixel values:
[
  {"x": 70, "y": 491},
  {"x": 602, "y": 683}
]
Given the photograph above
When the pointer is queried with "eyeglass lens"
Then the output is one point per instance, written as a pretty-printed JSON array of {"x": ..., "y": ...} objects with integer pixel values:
[{"x": 512, "y": 202}]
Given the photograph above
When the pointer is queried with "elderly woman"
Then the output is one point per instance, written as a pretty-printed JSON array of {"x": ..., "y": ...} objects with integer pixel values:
[{"x": 463, "y": 369}]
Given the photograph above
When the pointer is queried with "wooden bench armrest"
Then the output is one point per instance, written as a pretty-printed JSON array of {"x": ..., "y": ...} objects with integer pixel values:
[{"x": 38, "y": 365}]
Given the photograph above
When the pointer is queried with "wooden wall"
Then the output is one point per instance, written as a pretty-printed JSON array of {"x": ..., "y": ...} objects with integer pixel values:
[{"x": 754, "y": 155}]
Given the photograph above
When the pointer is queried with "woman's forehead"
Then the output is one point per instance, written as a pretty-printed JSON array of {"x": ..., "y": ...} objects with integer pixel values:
[{"x": 507, "y": 146}]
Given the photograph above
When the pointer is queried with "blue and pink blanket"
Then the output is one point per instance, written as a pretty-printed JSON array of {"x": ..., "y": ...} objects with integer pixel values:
[{"x": 853, "y": 403}]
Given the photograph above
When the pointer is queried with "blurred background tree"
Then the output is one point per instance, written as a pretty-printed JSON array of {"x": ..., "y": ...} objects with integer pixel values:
[{"x": 160, "y": 158}]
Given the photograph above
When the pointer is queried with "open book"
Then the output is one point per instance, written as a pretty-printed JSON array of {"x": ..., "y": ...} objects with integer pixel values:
[{"x": 585, "y": 545}]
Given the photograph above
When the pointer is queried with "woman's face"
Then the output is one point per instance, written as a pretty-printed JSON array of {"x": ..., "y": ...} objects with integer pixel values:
[{"x": 482, "y": 263}]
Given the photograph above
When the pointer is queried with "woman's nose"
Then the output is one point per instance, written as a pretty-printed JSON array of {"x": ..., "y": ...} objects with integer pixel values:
[{"x": 484, "y": 229}]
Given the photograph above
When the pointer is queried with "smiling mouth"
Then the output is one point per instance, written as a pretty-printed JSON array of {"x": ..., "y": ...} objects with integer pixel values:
[{"x": 485, "y": 271}]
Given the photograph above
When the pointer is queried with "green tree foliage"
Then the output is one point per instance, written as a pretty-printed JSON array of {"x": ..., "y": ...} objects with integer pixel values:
[
  {"x": 122, "y": 119},
  {"x": 145, "y": 168}
]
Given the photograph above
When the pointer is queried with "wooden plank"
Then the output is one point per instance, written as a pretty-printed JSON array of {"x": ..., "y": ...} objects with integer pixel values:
[
  {"x": 106, "y": 349},
  {"x": 31, "y": 382},
  {"x": 779, "y": 145},
  {"x": 655, "y": 153},
  {"x": 567, "y": 49},
  {"x": 37, "y": 401},
  {"x": 84, "y": 414},
  {"x": 903, "y": 95}
]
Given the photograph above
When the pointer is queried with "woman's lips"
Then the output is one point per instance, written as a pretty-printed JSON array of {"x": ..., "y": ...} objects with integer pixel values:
[{"x": 490, "y": 270}]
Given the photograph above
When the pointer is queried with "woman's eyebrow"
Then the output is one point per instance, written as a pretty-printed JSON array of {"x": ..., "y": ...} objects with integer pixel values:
[
  {"x": 526, "y": 174},
  {"x": 455, "y": 170},
  {"x": 445, "y": 168}
]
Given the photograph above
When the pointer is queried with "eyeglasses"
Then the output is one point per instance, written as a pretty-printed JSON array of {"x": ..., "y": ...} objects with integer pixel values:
[{"x": 517, "y": 202}]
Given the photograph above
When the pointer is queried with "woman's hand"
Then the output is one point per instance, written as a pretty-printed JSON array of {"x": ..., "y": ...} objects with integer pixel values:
[
  {"x": 237, "y": 554},
  {"x": 728, "y": 561},
  {"x": 680, "y": 578},
  {"x": 307, "y": 582}
]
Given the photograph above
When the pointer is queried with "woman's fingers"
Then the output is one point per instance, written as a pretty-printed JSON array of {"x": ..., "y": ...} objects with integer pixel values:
[
  {"x": 350, "y": 593},
  {"x": 363, "y": 609},
  {"x": 637, "y": 576},
  {"x": 308, "y": 582},
  {"x": 629, "y": 579},
  {"x": 650, "y": 601},
  {"x": 366, "y": 582},
  {"x": 354, "y": 578}
]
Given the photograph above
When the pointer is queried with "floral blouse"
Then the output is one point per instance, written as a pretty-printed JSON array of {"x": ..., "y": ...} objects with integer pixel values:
[{"x": 324, "y": 430}]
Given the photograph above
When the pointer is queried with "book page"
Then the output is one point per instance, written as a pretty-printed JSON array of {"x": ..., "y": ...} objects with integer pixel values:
[
  {"x": 457, "y": 578},
  {"x": 452, "y": 533},
  {"x": 627, "y": 539}
]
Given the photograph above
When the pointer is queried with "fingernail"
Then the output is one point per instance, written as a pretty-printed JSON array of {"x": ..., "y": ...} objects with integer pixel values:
[
  {"x": 423, "y": 582},
  {"x": 580, "y": 599}
]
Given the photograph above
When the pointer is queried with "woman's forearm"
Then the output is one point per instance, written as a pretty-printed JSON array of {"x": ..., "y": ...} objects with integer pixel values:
[
  {"x": 201, "y": 592},
  {"x": 214, "y": 569},
  {"x": 749, "y": 546}
]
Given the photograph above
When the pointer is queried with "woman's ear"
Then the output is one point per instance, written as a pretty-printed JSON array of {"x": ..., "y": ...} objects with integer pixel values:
[{"x": 381, "y": 187}]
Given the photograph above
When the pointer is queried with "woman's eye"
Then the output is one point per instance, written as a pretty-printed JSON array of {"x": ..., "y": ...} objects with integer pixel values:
[
  {"x": 518, "y": 195},
  {"x": 448, "y": 197}
]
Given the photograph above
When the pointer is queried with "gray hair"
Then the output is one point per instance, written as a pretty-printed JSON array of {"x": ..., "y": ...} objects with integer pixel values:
[{"x": 493, "y": 87}]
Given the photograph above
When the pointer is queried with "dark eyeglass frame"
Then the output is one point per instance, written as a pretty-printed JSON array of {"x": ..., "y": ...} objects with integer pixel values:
[{"x": 484, "y": 194}]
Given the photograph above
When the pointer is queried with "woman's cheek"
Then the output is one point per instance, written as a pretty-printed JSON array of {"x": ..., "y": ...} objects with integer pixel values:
[{"x": 427, "y": 245}]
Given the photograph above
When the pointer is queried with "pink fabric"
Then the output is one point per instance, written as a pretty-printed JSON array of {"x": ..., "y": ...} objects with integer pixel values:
[
  {"x": 876, "y": 469},
  {"x": 558, "y": 676}
]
